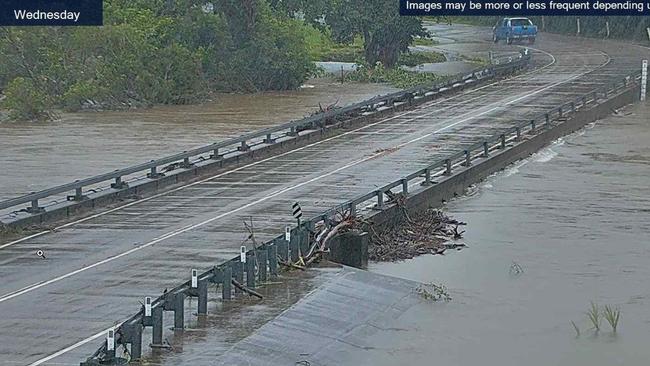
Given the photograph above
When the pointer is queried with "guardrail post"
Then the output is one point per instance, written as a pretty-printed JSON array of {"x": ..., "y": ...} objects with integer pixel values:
[
  {"x": 573, "y": 107},
  {"x": 405, "y": 186},
  {"x": 468, "y": 158},
  {"x": 427, "y": 177},
  {"x": 548, "y": 121},
  {"x": 294, "y": 246},
  {"x": 447, "y": 166},
  {"x": 153, "y": 173},
  {"x": 215, "y": 154},
  {"x": 78, "y": 194},
  {"x": 250, "y": 270},
  {"x": 243, "y": 146},
  {"x": 272, "y": 253},
  {"x": 238, "y": 268},
  {"x": 186, "y": 162},
  {"x": 269, "y": 139},
  {"x": 503, "y": 141},
  {"x": 35, "y": 208},
  {"x": 226, "y": 284},
  {"x": 179, "y": 311},
  {"x": 560, "y": 112},
  {"x": 157, "y": 325},
  {"x": 380, "y": 199},
  {"x": 353, "y": 209},
  {"x": 203, "y": 297},
  {"x": 486, "y": 149},
  {"x": 518, "y": 132},
  {"x": 533, "y": 128},
  {"x": 261, "y": 265},
  {"x": 118, "y": 184}
]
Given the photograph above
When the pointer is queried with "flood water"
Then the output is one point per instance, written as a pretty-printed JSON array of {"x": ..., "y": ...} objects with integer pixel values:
[
  {"x": 576, "y": 218},
  {"x": 36, "y": 156}
]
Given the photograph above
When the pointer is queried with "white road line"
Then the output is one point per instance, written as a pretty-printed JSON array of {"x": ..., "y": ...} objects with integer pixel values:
[
  {"x": 70, "y": 348},
  {"x": 472, "y": 115},
  {"x": 273, "y": 157}
]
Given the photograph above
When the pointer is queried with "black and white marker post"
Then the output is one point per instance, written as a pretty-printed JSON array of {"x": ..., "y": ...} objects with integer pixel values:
[{"x": 297, "y": 212}]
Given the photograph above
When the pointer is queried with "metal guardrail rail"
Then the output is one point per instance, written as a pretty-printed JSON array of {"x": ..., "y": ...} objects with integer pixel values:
[
  {"x": 264, "y": 136},
  {"x": 263, "y": 260}
]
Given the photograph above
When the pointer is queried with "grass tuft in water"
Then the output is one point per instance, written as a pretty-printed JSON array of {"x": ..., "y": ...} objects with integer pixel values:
[
  {"x": 612, "y": 315},
  {"x": 594, "y": 316}
]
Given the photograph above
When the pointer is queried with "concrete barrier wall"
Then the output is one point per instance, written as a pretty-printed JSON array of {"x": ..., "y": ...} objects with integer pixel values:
[{"x": 455, "y": 185}]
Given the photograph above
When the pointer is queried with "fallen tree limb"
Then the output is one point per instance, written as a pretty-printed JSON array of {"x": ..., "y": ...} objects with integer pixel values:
[{"x": 247, "y": 290}]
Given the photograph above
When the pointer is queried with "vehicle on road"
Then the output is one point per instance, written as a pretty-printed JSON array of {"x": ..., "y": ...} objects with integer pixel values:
[{"x": 514, "y": 29}]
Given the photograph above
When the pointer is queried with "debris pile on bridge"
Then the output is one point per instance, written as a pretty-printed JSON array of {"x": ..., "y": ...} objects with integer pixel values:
[{"x": 429, "y": 232}]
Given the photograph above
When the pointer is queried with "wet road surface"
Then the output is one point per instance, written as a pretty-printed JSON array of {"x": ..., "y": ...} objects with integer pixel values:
[{"x": 97, "y": 271}]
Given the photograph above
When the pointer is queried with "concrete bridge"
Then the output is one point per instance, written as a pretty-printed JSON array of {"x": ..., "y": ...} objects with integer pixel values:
[{"x": 98, "y": 267}]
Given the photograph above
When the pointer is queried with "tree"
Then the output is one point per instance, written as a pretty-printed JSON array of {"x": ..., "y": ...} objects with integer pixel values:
[{"x": 385, "y": 33}]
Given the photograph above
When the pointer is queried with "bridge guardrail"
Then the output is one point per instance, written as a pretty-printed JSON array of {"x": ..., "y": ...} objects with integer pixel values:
[
  {"x": 264, "y": 259},
  {"x": 264, "y": 136}
]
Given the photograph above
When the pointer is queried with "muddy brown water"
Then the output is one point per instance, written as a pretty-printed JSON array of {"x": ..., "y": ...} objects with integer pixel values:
[
  {"x": 575, "y": 218},
  {"x": 34, "y": 156}
]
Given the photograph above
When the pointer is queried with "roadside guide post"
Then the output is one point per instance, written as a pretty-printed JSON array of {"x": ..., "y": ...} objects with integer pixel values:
[{"x": 644, "y": 80}]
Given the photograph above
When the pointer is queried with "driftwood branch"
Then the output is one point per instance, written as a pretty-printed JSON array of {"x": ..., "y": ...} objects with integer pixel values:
[{"x": 247, "y": 290}]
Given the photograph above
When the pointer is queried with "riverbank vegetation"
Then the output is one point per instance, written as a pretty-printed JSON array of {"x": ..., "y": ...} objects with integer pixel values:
[{"x": 179, "y": 51}]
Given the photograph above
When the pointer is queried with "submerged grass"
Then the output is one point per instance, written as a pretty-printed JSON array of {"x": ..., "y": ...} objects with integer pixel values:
[
  {"x": 593, "y": 314},
  {"x": 612, "y": 315},
  {"x": 575, "y": 327}
]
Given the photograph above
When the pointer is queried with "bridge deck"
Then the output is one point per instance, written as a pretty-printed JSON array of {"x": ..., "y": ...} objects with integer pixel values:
[{"x": 96, "y": 271}]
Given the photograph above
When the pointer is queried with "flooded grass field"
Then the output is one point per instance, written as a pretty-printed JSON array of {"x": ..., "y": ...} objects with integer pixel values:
[{"x": 573, "y": 222}]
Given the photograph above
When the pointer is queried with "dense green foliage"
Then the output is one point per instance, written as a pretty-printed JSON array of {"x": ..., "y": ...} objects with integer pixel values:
[
  {"x": 620, "y": 27},
  {"x": 178, "y": 51},
  {"x": 151, "y": 51},
  {"x": 385, "y": 33}
]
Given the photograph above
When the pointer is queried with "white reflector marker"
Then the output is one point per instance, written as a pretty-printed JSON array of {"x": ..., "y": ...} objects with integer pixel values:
[
  {"x": 195, "y": 279},
  {"x": 147, "y": 306},
  {"x": 242, "y": 254},
  {"x": 287, "y": 233},
  {"x": 110, "y": 340},
  {"x": 644, "y": 80}
]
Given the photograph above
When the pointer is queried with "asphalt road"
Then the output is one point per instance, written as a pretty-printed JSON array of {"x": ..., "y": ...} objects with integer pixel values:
[{"x": 55, "y": 310}]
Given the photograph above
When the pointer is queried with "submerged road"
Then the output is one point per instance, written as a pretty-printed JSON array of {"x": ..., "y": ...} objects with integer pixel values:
[{"x": 97, "y": 270}]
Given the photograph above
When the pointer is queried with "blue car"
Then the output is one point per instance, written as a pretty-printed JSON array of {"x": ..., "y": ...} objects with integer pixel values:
[{"x": 514, "y": 29}]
